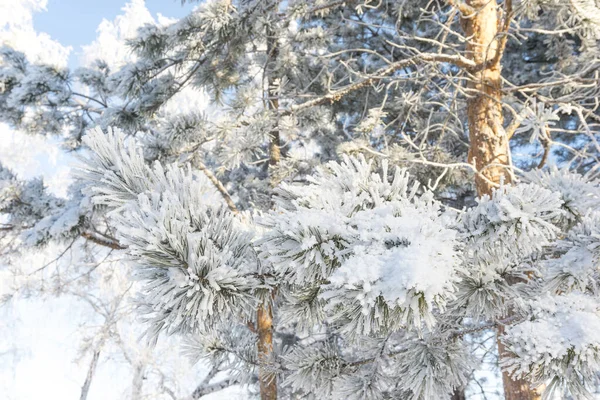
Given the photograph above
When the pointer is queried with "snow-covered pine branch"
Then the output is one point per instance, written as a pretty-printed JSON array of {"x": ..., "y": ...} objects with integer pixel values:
[
  {"x": 559, "y": 346},
  {"x": 37, "y": 217},
  {"x": 366, "y": 239},
  {"x": 194, "y": 259}
]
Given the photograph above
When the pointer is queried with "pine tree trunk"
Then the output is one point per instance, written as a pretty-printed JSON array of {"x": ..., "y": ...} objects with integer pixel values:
[
  {"x": 267, "y": 379},
  {"x": 489, "y": 150},
  {"x": 264, "y": 315}
]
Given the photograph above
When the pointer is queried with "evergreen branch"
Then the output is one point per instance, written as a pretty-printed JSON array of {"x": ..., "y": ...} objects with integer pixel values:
[
  {"x": 454, "y": 335},
  {"x": 379, "y": 75},
  {"x": 103, "y": 104}
]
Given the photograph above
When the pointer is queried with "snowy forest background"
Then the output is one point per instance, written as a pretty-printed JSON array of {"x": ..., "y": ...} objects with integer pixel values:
[{"x": 303, "y": 200}]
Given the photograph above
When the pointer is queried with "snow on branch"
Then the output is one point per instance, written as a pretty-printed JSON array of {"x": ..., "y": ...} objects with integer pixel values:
[
  {"x": 367, "y": 238},
  {"x": 561, "y": 344},
  {"x": 195, "y": 259}
]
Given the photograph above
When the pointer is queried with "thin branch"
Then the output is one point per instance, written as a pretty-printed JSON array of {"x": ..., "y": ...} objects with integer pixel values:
[
  {"x": 515, "y": 123},
  {"x": 508, "y": 15},
  {"x": 90, "y": 98},
  {"x": 90, "y": 374},
  {"x": 214, "y": 387},
  {"x": 379, "y": 75},
  {"x": 103, "y": 241},
  {"x": 56, "y": 259},
  {"x": 202, "y": 387},
  {"x": 547, "y": 143},
  {"x": 218, "y": 185}
]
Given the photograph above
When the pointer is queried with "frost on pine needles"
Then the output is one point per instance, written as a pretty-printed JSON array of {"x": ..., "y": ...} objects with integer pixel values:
[
  {"x": 579, "y": 193},
  {"x": 577, "y": 268},
  {"x": 315, "y": 369},
  {"x": 501, "y": 234},
  {"x": 561, "y": 344},
  {"x": 384, "y": 255},
  {"x": 517, "y": 218},
  {"x": 195, "y": 260}
]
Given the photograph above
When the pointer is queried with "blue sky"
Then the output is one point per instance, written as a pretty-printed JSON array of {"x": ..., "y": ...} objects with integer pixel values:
[{"x": 74, "y": 22}]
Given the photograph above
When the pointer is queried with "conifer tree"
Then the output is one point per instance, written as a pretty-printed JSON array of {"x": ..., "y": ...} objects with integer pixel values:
[{"x": 395, "y": 179}]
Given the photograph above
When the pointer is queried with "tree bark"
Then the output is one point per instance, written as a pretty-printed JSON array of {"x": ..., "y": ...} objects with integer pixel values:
[
  {"x": 266, "y": 378},
  {"x": 264, "y": 315},
  {"x": 489, "y": 149}
]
